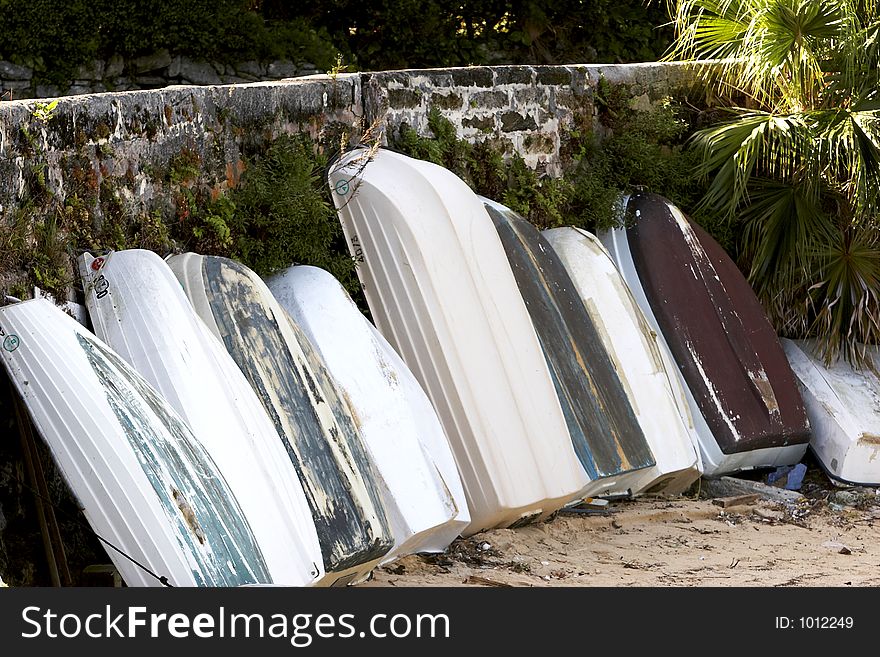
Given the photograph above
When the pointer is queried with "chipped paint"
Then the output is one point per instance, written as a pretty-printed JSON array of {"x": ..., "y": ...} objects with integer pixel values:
[
  {"x": 313, "y": 421},
  {"x": 148, "y": 321},
  {"x": 395, "y": 418},
  {"x": 211, "y": 528},
  {"x": 727, "y": 351},
  {"x": 605, "y": 432}
]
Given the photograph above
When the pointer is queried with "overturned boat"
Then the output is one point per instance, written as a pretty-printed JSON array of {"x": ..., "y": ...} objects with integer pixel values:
[
  {"x": 393, "y": 413},
  {"x": 740, "y": 387},
  {"x": 160, "y": 504},
  {"x": 605, "y": 432},
  {"x": 320, "y": 436},
  {"x": 843, "y": 405},
  {"x": 647, "y": 369},
  {"x": 441, "y": 291},
  {"x": 139, "y": 309}
]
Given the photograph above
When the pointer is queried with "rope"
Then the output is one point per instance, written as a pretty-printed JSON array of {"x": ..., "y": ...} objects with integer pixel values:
[{"x": 162, "y": 579}]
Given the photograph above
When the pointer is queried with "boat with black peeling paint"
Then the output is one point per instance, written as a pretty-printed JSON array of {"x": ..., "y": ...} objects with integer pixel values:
[
  {"x": 394, "y": 415},
  {"x": 145, "y": 484},
  {"x": 646, "y": 368},
  {"x": 139, "y": 309},
  {"x": 442, "y": 293},
  {"x": 605, "y": 432},
  {"x": 320, "y": 436},
  {"x": 843, "y": 405},
  {"x": 740, "y": 387}
]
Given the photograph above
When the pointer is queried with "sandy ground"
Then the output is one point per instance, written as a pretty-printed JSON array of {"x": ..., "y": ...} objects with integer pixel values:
[{"x": 829, "y": 538}]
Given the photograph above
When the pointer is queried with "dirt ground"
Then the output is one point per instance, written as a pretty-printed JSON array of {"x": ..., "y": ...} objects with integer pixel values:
[{"x": 831, "y": 537}]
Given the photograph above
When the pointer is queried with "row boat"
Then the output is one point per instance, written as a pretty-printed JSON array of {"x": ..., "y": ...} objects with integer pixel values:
[
  {"x": 644, "y": 364},
  {"x": 147, "y": 486},
  {"x": 740, "y": 387},
  {"x": 605, "y": 432},
  {"x": 441, "y": 291},
  {"x": 843, "y": 404},
  {"x": 139, "y": 309},
  {"x": 311, "y": 418},
  {"x": 393, "y": 414}
]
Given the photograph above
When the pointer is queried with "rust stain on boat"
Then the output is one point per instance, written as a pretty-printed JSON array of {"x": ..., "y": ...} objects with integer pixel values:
[
  {"x": 869, "y": 439},
  {"x": 605, "y": 433}
]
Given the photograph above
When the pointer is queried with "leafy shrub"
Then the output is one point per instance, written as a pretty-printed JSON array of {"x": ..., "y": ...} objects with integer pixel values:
[
  {"x": 797, "y": 171},
  {"x": 57, "y": 37},
  {"x": 283, "y": 214}
]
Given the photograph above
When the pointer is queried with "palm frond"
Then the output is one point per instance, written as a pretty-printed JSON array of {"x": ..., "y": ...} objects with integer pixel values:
[
  {"x": 848, "y": 145},
  {"x": 847, "y": 298},
  {"x": 753, "y": 143}
]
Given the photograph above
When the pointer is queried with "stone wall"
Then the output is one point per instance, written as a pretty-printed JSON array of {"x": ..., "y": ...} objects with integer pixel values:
[
  {"x": 130, "y": 138},
  {"x": 154, "y": 71},
  {"x": 117, "y": 149},
  {"x": 529, "y": 109}
]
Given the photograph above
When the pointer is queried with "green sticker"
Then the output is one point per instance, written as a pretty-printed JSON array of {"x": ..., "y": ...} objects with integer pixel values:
[
  {"x": 341, "y": 187},
  {"x": 11, "y": 343}
]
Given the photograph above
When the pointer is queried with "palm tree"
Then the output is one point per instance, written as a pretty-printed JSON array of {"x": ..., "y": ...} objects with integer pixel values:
[{"x": 798, "y": 161}]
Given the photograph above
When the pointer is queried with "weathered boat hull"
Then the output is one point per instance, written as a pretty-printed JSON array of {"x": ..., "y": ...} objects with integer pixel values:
[
  {"x": 319, "y": 433},
  {"x": 395, "y": 417},
  {"x": 646, "y": 367},
  {"x": 442, "y": 293},
  {"x": 145, "y": 483},
  {"x": 139, "y": 309},
  {"x": 740, "y": 387},
  {"x": 605, "y": 433},
  {"x": 843, "y": 405}
]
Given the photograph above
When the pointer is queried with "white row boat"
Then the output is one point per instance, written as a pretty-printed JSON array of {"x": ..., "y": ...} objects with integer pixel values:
[
  {"x": 645, "y": 366},
  {"x": 605, "y": 433},
  {"x": 320, "y": 436},
  {"x": 139, "y": 309},
  {"x": 843, "y": 405},
  {"x": 393, "y": 414},
  {"x": 147, "y": 486},
  {"x": 441, "y": 291}
]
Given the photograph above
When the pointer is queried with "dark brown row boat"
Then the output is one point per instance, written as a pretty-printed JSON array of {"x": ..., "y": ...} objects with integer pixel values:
[{"x": 724, "y": 345}]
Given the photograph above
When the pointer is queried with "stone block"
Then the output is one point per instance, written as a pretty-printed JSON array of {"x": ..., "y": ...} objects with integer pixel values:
[
  {"x": 477, "y": 76},
  {"x": 251, "y": 68},
  {"x": 489, "y": 99},
  {"x": 281, "y": 69},
  {"x": 201, "y": 73},
  {"x": 404, "y": 98},
  {"x": 553, "y": 75},
  {"x": 10, "y": 71},
  {"x": 154, "y": 62},
  {"x": 514, "y": 122},
  {"x": 114, "y": 67}
]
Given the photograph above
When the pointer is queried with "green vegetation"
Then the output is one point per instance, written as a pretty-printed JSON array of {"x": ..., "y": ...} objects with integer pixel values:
[
  {"x": 642, "y": 149},
  {"x": 57, "y": 37},
  {"x": 279, "y": 214},
  {"x": 796, "y": 167},
  {"x": 388, "y": 34}
]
